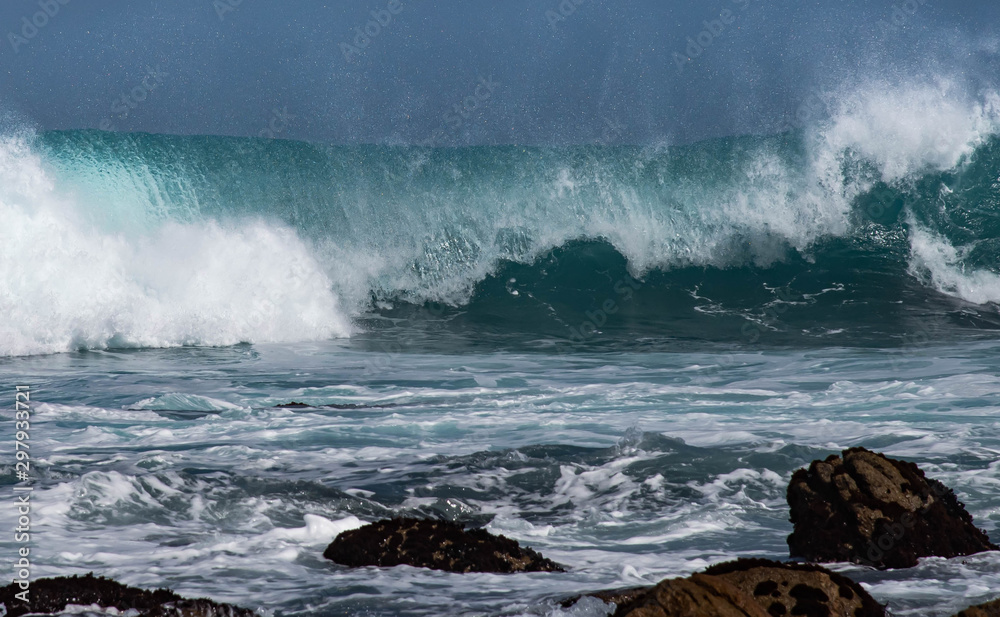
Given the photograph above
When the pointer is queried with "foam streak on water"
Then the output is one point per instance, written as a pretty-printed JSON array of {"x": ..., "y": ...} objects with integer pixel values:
[{"x": 628, "y": 468}]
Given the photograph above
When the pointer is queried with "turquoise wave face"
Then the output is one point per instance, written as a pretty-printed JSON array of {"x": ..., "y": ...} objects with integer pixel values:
[
  {"x": 442, "y": 218},
  {"x": 800, "y": 238}
]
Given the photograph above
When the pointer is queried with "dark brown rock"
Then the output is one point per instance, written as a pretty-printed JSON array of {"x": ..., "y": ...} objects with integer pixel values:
[
  {"x": 618, "y": 597},
  {"x": 749, "y": 587},
  {"x": 867, "y": 508},
  {"x": 697, "y": 596},
  {"x": 990, "y": 609},
  {"x": 798, "y": 589},
  {"x": 439, "y": 545},
  {"x": 48, "y": 596}
]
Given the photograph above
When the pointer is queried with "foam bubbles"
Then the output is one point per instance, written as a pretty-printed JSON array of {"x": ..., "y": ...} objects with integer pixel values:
[
  {"x": 910, "y": 128},
  {"x": 66, "y": 285},
  {"x": 938, "y": 263},
  {"x": 161, "y": 248},
  {"x": 176, "y": 401}
]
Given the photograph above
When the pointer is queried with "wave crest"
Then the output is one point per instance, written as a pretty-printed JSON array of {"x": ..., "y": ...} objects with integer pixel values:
[
  {"x": 66, "y": 285},
  {"x": 151, "y": 240}
]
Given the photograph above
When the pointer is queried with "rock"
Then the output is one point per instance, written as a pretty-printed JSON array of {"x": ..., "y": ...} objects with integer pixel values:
[
  {"x": 990, "y": 609},
  {"x": 697, "y": 596},
  {"x": 297, "y": 405},
  {"x": 867, "y": 508},
  {"x": 51, "y": 596},
  {"x": 618, "y": 597},
  {"x": 749, "y": 587},
  {"x": 798, "y": 589},
  {"x": 439, "y": 545}
]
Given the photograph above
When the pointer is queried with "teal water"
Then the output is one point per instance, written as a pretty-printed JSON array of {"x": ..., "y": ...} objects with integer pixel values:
[
  {"x": 174, "y": 468},
  {"x": 616, "y": 355},
  {"x": 775, "y": 240}
]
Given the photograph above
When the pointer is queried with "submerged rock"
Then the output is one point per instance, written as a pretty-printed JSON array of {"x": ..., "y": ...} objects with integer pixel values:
[
  {"x": 618, "y": 597},
  {"x": 867, "y": 508},
  {"x": 990, "y": 609},
  {"x": 50, "y": 596},
  {"x": 297, "y": 405},
  {"x": 439, "y": 545},
  {"x": 749, "y": 588}
]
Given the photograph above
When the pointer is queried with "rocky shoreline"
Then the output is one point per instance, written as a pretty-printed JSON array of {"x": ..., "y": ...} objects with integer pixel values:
[
  {"x": 51, "y": 596},
  {"x": 859, "y": 506}
]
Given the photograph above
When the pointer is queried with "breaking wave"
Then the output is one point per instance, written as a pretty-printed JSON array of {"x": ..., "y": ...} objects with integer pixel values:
[{"x": 135, "y": 240}]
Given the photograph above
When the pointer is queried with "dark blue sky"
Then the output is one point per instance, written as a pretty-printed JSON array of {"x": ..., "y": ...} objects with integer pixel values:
[{"x": 610, "y": 70}]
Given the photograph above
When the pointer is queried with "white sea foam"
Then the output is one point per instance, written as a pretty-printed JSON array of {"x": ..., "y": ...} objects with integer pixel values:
[
  {"x": 120, "y": 253},
  {"x": 65, "y": 284},
  {"x": 317, "y": 530},
  {"x": 938, "y": 263},
  {"x": 908, "y": 128},
  {"x": 204, "y": 504},
  {"x": 176, "y": 401}
]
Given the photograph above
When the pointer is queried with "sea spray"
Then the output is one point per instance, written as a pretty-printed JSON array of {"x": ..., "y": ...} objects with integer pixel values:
[{"x": 148, "y": 240}]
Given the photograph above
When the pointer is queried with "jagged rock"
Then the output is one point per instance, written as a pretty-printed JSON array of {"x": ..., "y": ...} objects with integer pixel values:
[
  {"x": 49, "y": 596},
  {"x": 990, "y": 609},
  {"x": 697, "y": 596},
  {"x": 748, "y": 587},
  {"x": 798, "y": 589},
  {"x": 867, "y": 508},
  {"x": 439, "y": 545}
]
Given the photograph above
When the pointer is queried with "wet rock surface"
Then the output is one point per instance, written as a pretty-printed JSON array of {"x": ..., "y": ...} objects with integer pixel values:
[
  {"x": 798, "y": 589},
  {"x": 696, "y": 596},
  {"x": 297, "y": 405},
  {"x": 749, "y": 587},
  {"x": 990, "y": 609},
  {"x": 864, "y": 507},
  {"x": 50, "y": 596},
  {"x": 439, "y": 545},
  {"x": 617, "y": 597}
]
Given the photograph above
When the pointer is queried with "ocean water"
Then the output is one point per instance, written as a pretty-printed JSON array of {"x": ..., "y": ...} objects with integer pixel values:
[{"x": 615, "y": 355}]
